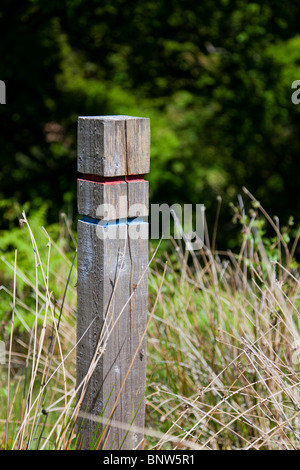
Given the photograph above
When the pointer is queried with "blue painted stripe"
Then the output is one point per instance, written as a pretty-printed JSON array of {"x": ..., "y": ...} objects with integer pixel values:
[
  {"x": 89, "y": 220},
  {"x": 137, "y": 220},
  {"x": 105, "y": 223}
]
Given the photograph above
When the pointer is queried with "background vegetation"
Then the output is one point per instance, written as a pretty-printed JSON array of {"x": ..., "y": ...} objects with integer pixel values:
[{"x": 214, "y": 77}]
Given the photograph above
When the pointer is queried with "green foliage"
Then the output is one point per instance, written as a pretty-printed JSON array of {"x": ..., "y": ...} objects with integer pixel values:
[
  {"x": 19, "y": 240},
  {"x": 37, "y": 315},
  {"x": 214, "y": 77}
]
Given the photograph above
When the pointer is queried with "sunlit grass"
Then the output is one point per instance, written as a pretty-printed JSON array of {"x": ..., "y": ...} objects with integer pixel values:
[
  {"x": 222, "y": 358},
  {"x": 222, "y": 354}
]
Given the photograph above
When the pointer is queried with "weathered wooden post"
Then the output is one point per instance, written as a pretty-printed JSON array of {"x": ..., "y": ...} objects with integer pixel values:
[{"x": 113, "y": 157}]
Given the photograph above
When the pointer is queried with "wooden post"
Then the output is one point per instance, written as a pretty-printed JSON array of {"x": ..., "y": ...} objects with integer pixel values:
[{"x": 113, "y": 157}]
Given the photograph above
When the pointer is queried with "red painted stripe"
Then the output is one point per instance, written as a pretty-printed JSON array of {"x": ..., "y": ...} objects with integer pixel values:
[
  {"x": 111, "y": 179},
  {"x": 134, "y": 178},
  {"x": 102, "y": 182}
]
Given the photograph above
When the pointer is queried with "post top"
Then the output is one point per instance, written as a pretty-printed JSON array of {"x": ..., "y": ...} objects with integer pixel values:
[
  {"x": 111, "y": 118},
  {"x": 113, "y": 145}
]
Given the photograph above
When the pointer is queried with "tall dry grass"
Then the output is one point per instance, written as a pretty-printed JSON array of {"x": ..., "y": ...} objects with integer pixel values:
[
  {"x": 223, "y": 343},
  {"x": 40, "y": 398},
  {"x": 38, "y": 376}
]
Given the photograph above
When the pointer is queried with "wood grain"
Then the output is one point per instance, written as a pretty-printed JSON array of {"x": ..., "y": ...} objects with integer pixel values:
[
  {"x": 118, "y": 201},
  {"x": 99, "y": 200},
  {"x": 109, "y": 272},
  {"x": 113, "y": 145},
  {"x": 112, "y": 287}
]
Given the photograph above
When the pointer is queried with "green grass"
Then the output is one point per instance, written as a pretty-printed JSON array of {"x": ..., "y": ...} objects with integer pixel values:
[
  {"x": 222, "y": 358},
  {"x": 223, "y": 346},
  {"x": 39, "y": 332}
]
